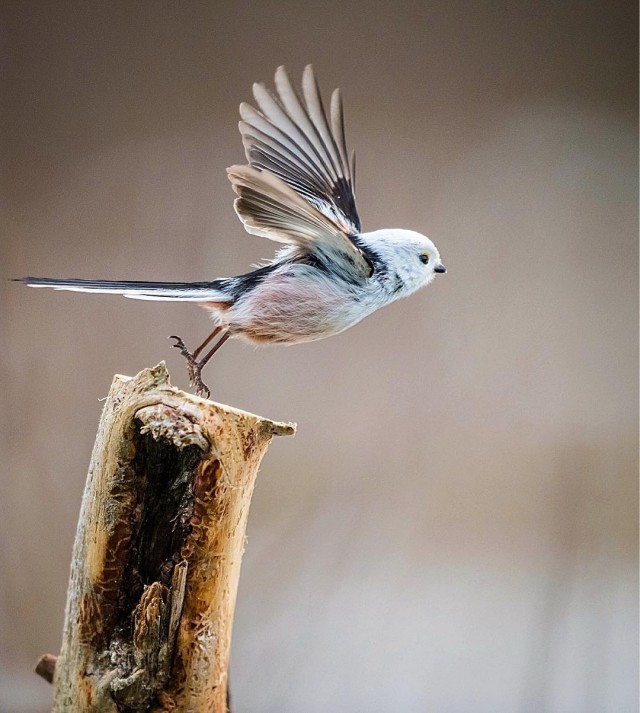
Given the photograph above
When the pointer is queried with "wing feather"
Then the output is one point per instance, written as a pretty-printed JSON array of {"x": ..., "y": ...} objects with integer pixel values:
[
  {"x": 271, "y": 208},
  {"x": 337, "y": 127},
  {"x": 292, "y": 138},
  {"x": 291, "y": 102},
  {"x": 317, "y": 114},
  {"x": 269, "y": 147}
]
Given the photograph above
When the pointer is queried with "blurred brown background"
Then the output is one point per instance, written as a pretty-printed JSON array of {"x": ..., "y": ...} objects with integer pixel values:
[{"x": 454, "y": 528}]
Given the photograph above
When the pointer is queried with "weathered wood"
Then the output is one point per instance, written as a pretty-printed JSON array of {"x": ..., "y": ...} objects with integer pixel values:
[
  {"x": 157, "y": 553},
  {"x": 46, "y": 667}
]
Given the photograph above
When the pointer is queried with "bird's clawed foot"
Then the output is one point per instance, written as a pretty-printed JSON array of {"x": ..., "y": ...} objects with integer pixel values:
[{"x": 194, "y": 368}]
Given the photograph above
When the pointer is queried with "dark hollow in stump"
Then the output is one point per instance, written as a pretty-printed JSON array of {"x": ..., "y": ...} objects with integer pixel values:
[{"x": 157, "y": 553}]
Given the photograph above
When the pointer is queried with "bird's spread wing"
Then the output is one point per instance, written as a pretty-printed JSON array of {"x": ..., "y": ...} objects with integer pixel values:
[{"x": 299, "y": 184}]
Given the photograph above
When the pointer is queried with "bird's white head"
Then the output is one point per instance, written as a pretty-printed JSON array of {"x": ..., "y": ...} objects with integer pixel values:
[{"x": 409, "y": 260}]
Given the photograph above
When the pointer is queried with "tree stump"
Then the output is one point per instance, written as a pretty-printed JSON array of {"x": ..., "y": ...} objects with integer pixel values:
[{"x": 157, "y": 554}]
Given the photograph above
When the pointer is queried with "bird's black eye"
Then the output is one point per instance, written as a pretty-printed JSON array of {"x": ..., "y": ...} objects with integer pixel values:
[{"x": 424, "y": 258}]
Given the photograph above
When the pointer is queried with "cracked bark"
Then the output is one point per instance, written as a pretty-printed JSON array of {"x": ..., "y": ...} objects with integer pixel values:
[{"x": 157, "y": 553}]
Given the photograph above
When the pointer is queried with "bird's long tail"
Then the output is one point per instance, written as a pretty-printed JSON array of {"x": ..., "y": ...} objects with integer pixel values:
[{"x": 179, "y": 291}]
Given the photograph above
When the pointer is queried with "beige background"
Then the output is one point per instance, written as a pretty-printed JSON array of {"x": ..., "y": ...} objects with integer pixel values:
[{"x": 454, "y": 528}]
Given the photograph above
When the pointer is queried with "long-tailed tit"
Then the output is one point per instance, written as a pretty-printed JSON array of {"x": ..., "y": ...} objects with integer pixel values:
[{"x": 298, "y": 189}]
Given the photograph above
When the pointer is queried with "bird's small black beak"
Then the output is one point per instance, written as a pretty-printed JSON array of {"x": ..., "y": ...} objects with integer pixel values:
[{"x": 440, "y": 268}]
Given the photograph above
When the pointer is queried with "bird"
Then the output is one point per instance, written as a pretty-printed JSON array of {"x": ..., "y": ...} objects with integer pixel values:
[{"x": 298, "y": 189}]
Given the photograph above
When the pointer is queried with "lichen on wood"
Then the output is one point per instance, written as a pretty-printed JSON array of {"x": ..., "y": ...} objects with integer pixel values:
[{"x": 157, "y": 554}]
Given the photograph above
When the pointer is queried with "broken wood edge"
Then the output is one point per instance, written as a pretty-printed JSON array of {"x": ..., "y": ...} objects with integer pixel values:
[{"x": 159, "y": 376}]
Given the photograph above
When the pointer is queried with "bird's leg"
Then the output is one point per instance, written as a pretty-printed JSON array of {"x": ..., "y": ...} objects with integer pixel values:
[
  {"x": 191, "y": 357},
  {"x": 213, "y": 350},
  {"x": 201, "y": 388},
  {"x": 194, "y": 367},
  {"x": 213, "y": 334},
  {"x": 187, "y": 355}
]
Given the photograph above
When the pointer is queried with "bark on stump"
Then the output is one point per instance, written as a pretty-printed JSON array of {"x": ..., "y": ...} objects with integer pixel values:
[{"x": 157, "y": 553}]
